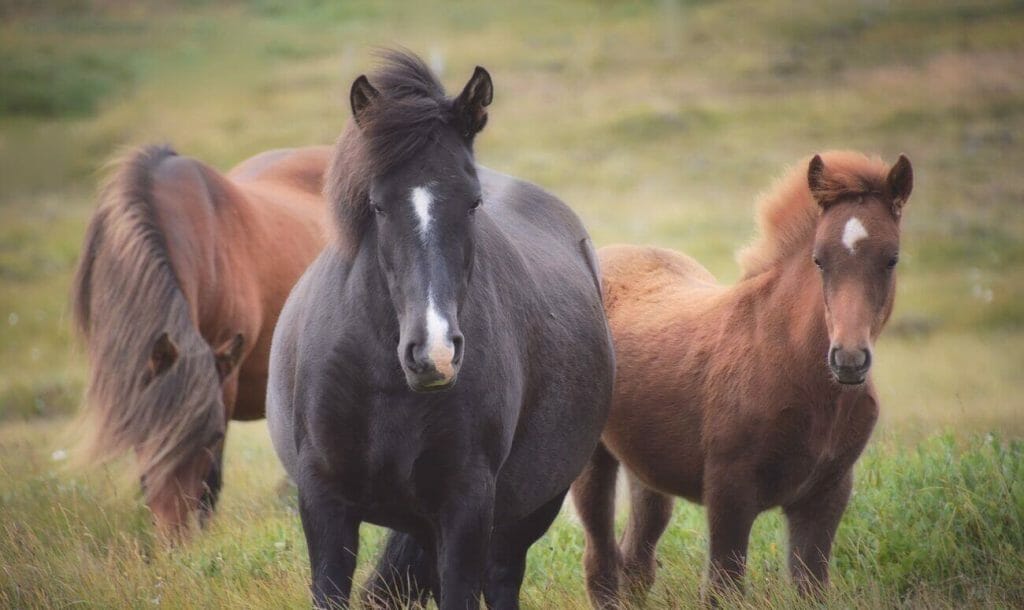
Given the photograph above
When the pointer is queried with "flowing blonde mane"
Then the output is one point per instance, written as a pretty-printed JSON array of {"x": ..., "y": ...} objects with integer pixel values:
[{"x": 787, "y": 215}]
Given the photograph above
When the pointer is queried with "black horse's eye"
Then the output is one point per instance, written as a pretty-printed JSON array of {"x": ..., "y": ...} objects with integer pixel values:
[
  {"x": 376, "y": 208},
  {"x": 476, "y": 204}
]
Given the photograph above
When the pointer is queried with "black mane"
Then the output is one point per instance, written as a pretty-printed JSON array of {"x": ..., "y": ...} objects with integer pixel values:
[{"x": 412, "y": 109}]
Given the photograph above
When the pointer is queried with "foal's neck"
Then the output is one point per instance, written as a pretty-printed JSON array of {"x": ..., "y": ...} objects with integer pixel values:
[{"x": 792, "y": 302}]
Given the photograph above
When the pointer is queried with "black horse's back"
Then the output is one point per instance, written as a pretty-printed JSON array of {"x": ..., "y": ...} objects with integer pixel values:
[{"x": 445, "y": 368}]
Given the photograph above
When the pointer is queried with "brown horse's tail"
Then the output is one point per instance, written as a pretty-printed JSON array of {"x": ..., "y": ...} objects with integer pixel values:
[{"x": 153, "y": 386}]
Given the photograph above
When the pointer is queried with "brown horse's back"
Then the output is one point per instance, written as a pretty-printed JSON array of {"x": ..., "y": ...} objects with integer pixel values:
[
  {"x": 250, "y": 234},
  {"x": 298, "y": 168},
  {"x": 287, "y": 185}
]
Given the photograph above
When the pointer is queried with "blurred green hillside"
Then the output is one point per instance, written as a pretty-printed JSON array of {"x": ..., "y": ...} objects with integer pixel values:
[{"x": 659, "y": 122}]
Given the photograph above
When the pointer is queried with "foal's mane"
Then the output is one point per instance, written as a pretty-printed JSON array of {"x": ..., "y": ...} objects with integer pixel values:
[
  {"x": 411, "y": 110},
  {"x": 124, "y": 294},
  {"x": 787, "y": 216}
]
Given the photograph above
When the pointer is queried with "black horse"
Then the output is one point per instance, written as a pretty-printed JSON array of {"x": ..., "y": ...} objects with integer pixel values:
[{"x": 444, "y": 368}]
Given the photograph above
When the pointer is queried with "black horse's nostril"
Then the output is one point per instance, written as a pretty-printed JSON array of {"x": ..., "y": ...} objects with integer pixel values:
[
  {"x": 411, "y": 361},
  {"x": 457, "y": 346}
]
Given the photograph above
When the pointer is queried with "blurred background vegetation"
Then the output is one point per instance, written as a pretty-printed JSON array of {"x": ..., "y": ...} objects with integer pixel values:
[{"x": 659, "y": 122}]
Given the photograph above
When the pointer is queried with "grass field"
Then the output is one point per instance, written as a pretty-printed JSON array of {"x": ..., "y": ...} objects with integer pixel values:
[{"x": 659, "y": 122}]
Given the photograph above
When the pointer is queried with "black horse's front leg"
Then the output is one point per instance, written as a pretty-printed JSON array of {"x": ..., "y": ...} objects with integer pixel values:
[
  {"x": 332, "y": 536},
  {"x": 509, "y": 547},
  {"x": 465, "y": 534}
]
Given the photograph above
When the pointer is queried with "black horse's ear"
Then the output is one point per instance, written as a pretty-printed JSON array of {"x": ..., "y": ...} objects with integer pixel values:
[
  {"x": 163, "y": 354},
  {"x": 816, "y": 179},
  {"x": 472, "y": 103},
  {"x": 229, "y": 355},
  {"x": 901, "y": 182},
  {"x": 361, "y": 97}
]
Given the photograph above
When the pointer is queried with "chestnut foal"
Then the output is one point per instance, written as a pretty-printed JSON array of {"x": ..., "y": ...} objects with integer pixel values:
[{"x": 752, "y": 396}]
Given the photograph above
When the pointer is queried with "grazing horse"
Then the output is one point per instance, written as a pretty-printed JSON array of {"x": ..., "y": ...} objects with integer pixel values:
[
  {"x": 444, "y": 368},
  {"x": 752, "y": 396},
  {"x": 181, "y": 278}
]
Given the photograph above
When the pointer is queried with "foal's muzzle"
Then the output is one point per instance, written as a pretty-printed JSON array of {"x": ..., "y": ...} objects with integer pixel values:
[{"x": 850, "y": 367}]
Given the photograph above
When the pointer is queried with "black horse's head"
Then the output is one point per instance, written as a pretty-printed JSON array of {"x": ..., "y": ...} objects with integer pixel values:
[{"x": 424, "y": 195}]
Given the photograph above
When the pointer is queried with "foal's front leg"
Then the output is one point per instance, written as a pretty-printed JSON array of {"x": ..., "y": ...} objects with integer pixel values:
[
  {"x": 463, "y": 540},
  {"x": 812, "y": 526},
  {"x": 730, "y": 499},
  {"x": 332, "y": 537}
]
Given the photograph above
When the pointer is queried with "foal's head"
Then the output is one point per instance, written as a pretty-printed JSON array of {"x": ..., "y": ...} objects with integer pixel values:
[
  {"x": 856, "y": 248},
  {"x": 424, "y": 197}
]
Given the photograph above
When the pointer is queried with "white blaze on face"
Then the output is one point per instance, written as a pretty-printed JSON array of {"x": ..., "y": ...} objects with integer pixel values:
[
  {"x": 439, "y": 348},
  {"x": 853, "y": 232},
  {"x": 422, "y": 199}
]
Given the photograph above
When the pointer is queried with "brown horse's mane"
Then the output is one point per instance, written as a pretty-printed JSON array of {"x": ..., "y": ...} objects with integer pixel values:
[
  {"x": 787, "y": 216},
  {"x": 126, "y": 273},
  {"x": 412, "y": 108}
]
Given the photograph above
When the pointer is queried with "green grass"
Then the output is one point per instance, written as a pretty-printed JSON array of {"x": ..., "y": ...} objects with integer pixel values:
[
  {"x": 940, "y": 522},
  {"x": 659, "y": 122}
]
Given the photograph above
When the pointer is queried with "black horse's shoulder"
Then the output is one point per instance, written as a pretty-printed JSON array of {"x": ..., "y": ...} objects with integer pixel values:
[{"x": 541, "y": 211}]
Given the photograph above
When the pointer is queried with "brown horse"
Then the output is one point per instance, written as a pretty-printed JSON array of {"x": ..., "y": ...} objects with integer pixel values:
[
  {"x": 751, "y": 396},
  {"x": 182, "y": 276}
]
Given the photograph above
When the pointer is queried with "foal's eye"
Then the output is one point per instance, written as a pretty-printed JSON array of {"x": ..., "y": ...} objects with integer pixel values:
[
  {"x": 817, "y": 263},
  {"x": 892, "y": 262},
  {"x": 476, "y": 204}
]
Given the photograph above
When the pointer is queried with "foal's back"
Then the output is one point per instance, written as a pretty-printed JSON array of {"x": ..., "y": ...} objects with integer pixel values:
[{"x": 664, "y": 310}]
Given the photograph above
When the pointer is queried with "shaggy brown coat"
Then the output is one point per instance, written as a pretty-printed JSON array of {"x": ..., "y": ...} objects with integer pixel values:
[
  {"x": 182, "y": 275},
  {"x": 729, "y": 396}
]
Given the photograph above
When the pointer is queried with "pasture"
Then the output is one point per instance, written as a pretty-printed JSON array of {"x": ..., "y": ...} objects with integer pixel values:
[{"x": 659, "y": 122}]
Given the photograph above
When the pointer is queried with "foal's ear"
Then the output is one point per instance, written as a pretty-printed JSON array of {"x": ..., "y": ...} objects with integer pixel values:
[
  {"x": 816, "y": 178},
  {"x": 901, "y": 182},
  {"x": 162, "y": 355},
  {"x": 361, "y": 97},
  {"x": 228, "y": 355},
  {"x": 472, "y": 103}
]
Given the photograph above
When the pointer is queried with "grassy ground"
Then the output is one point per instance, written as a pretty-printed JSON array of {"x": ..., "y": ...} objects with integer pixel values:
[{"x": 660, "y": 123}]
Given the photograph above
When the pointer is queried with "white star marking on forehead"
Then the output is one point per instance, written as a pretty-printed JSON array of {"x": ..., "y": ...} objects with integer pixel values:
[
  {"x": 853, "y": 232},
  {"x": 422, "y": 199}
]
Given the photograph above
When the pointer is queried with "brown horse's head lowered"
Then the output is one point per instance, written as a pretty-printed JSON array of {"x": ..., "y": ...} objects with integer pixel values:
[
  {"x": 175, "y": 299},
  {"x": 856, "y": 248}
]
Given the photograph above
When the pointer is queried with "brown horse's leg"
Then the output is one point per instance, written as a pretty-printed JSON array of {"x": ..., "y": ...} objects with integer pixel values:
[
  {"x": 593, "y": 493},
  {"x": 650, "y": 512},
  {"x": 812, "y": 526},
  {"x": 731, "y": 509}
]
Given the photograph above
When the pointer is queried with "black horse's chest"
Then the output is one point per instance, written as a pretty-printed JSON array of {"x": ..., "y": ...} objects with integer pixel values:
[{"x": 387, "y": 447}]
